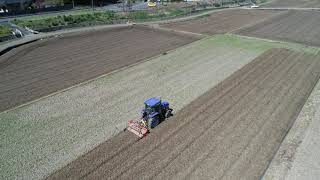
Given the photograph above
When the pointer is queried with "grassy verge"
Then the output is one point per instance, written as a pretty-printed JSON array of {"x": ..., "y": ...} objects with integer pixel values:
[
  {"x": 65, "y": 20},
  {"x": 99, "y": 18},
  {"x": 4, "y": 31}
]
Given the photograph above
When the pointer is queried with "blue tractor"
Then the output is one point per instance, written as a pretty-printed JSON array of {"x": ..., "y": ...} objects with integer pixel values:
[{"x": 154, "y": 112}]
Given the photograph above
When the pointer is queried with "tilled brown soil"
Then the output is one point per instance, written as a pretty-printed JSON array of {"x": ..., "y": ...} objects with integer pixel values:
[
  {"x": 230, "y": 132},
  {"x": 294, "y": 26},
  {"x": 222, "y": 22},
  {"x": 42, "y": 68},
  {"x": 294, "y": 3}
]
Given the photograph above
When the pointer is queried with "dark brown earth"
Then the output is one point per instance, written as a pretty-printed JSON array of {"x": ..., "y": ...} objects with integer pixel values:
[
  {"x": 294, "y": 3},
  {"x": 294, "y": 26},
  {"x": 230, "y": 132},
  {"x": 39, "y": 69},
  {"x": 222, "y": 22}
]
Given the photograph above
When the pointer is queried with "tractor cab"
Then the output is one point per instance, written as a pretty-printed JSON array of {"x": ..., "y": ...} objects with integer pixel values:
[
  {"x": 152, "y": 105},
  {"x": 155, "y": 109}
]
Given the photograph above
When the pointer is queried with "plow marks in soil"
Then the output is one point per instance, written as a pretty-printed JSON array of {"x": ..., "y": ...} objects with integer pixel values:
[
  {"x": 294, "y": 26},
  {"x": 230, "y": 132},
  {"x": 42, "y": 68},
  {"x": 222, "y": 22},
  {"x": 293, "y": 3}
]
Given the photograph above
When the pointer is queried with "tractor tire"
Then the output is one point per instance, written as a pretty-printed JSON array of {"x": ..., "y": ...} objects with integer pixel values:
[
  {"x": 168, "y": 113},
  {"x": 153, "y": 122}
]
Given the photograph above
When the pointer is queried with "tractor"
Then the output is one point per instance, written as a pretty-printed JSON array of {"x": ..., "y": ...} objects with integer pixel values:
[{"x": 154, "y": 112}]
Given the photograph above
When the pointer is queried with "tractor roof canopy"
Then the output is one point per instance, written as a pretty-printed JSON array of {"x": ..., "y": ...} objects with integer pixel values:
[{"x": 152, "y": 102}]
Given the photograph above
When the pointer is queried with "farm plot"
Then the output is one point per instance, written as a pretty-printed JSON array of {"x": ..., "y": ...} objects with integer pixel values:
[
  {"x": 43, "y": 136},
  {"x": 222, "y": 21},
  {"x": 230, "y": 132},
  {"x": 294, "y": 26},
  {"x": 43, "y": 68},
  {"x": 294, "y": 3}
]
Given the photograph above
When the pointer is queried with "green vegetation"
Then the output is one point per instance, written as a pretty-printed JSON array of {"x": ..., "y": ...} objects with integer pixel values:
[
  {"x": 263, "y": 1},
  {"x": 54, "y": 2},
  {"x": 161, "y": 14},
  {"x": 98, "y": 18},
  {"x": 67, "y": 20},
  {"x": 4, "y": 31}
]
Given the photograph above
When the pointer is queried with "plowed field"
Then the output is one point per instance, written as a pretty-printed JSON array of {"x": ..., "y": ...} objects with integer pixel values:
[
  {"x": 294, "y": 26},
  {"x": 43, "y": 68},
  {"x": 294, "y": 3},
  {"x": 222, "y": 22},
  {"x": 230, "y": 132}
]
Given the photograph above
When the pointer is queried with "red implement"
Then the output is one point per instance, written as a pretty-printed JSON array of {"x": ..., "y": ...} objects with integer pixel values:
[{"x": 137, "y": 128}]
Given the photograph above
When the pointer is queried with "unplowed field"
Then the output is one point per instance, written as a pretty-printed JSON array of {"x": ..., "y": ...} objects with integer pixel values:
[
  {"x": 230, "y": 132},
  {"x": 221, "y": 22},
  {"x": 46, "y": 67},
  {"x": 294, "y": 26},
  {"x": 294, "y": 3}
]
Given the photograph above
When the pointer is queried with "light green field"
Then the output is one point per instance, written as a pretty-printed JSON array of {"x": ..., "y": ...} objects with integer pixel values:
[{"x": 41, "y": 137}]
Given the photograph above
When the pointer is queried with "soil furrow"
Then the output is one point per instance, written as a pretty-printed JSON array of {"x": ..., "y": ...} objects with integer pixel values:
[
  {"x": 54, "y": 63},
  {"x": 218, "y": 134}
]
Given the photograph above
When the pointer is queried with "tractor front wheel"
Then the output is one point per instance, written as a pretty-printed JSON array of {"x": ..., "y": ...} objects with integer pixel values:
[{"x": 168, "y": 113}]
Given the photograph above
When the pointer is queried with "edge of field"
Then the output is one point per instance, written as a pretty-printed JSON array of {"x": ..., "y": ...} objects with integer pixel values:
[{"x": 285, "y": 158}]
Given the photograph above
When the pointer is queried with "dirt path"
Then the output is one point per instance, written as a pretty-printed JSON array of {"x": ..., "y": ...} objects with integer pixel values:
[
  {"x": 38, "y": 69},
  {"x": 230, "y": 132}
]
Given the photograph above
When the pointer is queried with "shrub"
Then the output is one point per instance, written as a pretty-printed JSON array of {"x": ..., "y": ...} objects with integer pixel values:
[
  {"x": 139, "y": 15},
  {"x": 4, "y": 31}
]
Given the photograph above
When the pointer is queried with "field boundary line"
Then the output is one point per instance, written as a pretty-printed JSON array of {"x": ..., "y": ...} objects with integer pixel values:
[
  {"x": 238, "y": 30},
  {"x": 316, "y": 48},
  {"x": 281, "y": 41},
  {"x": 104, "y": 75},
  {"x": 157, "y": 27}
]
